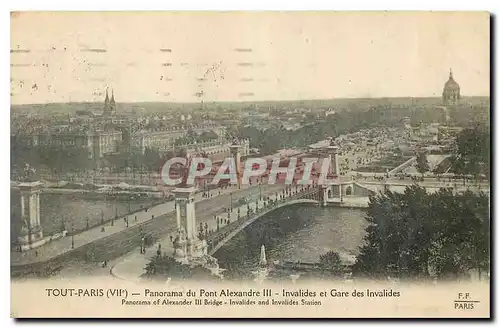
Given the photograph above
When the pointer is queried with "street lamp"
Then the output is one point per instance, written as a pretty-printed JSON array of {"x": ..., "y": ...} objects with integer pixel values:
[
  {"x": 116, "y": 213},
  {"x": 29, "y": 234},
  {"x": 72, "y": 235}
]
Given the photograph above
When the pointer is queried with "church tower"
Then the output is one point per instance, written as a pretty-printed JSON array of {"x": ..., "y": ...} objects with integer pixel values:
[
  {"x": 112, "y": 104},
  {"x": 106, "y": 102},
  {"x": 451, "y": 91}
]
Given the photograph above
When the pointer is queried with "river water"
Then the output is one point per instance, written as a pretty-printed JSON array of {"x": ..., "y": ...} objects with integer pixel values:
[{"x": 296, "y": 233}]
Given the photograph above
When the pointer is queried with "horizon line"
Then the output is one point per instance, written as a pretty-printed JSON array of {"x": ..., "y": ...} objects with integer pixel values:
[{"x": 249, "y": 101}]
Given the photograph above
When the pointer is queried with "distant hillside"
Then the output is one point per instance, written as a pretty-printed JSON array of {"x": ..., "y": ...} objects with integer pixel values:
[{"x": 152, "y": 107}]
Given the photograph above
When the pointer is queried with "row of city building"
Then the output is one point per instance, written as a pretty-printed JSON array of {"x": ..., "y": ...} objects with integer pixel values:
[
  {"x": 100, "y": 141},
  {"x": 101, "y": 138}
]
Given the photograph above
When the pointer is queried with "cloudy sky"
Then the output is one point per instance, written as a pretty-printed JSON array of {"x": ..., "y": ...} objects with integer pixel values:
[{"x": 63, "y": 57}]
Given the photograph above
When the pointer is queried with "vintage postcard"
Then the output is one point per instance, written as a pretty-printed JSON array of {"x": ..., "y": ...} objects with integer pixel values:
[{"x": 250, "y": 164}]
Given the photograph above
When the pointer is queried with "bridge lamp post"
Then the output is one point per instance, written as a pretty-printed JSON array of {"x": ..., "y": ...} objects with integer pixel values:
[
  {"x": 116, "y": 210},
  {"x": 72, "y": 235},
  {"x": 231, "y": 201}
]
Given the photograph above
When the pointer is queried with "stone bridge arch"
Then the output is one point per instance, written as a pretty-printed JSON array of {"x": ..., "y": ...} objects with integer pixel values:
[
  {"x": 348, "y": 191},
  {"x": 230, "y": 234},
  {"x": 350, "y": 188}
]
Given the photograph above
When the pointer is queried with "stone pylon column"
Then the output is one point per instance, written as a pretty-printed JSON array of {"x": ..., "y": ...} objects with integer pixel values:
[
  {"x": 234, "y": 150},
  {"x": 323, "y": 195},
  {"x": 178, "y": 214},
  {"x": 185, "y": 211},
  {"x": 334, "y": 161},
  {"x": 31, "y": 231},
  {"x": 187, "y": 246}
]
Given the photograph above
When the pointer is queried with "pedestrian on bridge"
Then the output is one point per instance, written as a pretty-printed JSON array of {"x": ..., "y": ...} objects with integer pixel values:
[{"x": 158, "y": 252}]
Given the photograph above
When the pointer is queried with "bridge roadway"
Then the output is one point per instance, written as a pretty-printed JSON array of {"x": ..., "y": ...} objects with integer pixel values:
[{"x": 205, "y": 210}]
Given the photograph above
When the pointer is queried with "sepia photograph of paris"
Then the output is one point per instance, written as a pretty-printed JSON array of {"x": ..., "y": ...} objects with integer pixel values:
[{"x": 250, "y": 147}]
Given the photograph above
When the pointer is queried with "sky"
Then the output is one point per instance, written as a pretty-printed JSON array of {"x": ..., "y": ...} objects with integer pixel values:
[{"x": 245, "y": 56}]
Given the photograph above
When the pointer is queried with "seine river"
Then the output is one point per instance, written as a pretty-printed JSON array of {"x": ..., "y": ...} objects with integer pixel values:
[{"x": 296, "y": 233}]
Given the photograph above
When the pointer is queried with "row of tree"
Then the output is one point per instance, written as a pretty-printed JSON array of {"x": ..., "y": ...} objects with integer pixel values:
[
  {"x": 162, "y": 267},
  {"x": 53, "y": 159},
  {"x": 472, "y": 154},
  {"x": 417, "y": 234}
]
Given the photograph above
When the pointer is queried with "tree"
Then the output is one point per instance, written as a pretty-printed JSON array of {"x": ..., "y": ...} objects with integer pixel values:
[
  {"x": 207, "y": 136},
  {"x": 473, "y": 151},
  {"x": 416, "y": 234},
  {"x": 461, "y": 239},
  {"x": 152, "y": 159},
  {"x": 331, "y": 263},
  {"x": 422, "y": 164},
  {"x": 163, "y": 267},
  {"x": 236, "y": 270}
]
